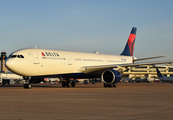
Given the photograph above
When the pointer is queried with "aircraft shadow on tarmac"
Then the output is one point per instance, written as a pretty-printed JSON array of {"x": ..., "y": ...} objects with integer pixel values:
[{"x": 55, "y": 86}]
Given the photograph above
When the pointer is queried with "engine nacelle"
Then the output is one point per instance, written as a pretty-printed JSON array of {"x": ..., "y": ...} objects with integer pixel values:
[{"x": 111, "y": 76}]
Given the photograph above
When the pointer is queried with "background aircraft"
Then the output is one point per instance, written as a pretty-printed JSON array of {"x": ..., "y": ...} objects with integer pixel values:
[
  {"x": 163, "y": 78},
  {"x": 145, "y": 80}
]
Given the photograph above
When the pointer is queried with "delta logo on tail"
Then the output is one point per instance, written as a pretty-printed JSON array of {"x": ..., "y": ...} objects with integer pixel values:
[{"x": 128, "y": 50}]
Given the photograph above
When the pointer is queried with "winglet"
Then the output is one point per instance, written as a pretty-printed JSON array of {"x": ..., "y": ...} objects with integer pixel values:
[
  {"x": 129, "y": 49},
  {"x": 159, "y": 73}
]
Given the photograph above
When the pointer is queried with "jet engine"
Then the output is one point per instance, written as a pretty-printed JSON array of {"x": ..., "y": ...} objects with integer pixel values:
[{"x": 111, "y": 76}]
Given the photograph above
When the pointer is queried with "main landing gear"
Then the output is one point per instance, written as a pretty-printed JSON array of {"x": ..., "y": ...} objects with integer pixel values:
[
  {"x": 110, "y": 85},
  {"x": 68, "y": 83}
]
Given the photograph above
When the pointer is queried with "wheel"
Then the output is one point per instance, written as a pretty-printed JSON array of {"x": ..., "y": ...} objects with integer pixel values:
[
  {"x": 114, "y": 85},
  {"x": 27, "y": 86},
  {"x": 110, "y": 85},
  {"x": 68, "y": 84},
  {"x": 105, "y": 85},
  {"x": 73, "y": 84},
  {"x": 63, "y": 84}
]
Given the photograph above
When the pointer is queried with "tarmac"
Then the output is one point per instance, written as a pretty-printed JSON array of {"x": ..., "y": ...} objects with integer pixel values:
[{"x": 129, "y": 101}]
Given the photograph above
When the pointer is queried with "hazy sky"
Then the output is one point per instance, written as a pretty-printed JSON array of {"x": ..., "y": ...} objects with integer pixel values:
[{"x": 88, "y": 25}]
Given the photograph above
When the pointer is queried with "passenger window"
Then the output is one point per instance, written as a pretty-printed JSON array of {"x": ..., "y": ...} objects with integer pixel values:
[{"x": 18, "y": 56}]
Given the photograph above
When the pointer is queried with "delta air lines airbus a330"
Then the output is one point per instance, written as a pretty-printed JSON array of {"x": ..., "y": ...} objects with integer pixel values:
[{"x": 38, "y": 64}]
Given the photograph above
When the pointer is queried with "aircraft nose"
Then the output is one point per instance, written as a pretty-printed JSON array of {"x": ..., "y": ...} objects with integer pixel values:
[
  {"x": 14, "y": 65},
  {"x": 9, "y": 64}
]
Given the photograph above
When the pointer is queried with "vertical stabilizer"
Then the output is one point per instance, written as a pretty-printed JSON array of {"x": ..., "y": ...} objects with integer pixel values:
[
  {"x": 159, "y": 73},
  {"x": 129, "y": 48}
]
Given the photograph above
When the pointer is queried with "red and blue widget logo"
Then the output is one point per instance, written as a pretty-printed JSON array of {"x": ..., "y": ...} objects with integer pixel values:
[{"x": 49, "y": 54}]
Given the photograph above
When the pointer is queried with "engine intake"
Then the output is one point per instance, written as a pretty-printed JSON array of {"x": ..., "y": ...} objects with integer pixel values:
[{"x": 111, "y": 76}]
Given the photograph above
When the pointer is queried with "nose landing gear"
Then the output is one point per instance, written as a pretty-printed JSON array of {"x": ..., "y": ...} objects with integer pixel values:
[{"x": 27, "y": 85}]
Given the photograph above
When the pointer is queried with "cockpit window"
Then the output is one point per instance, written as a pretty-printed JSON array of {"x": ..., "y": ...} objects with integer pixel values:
[
  {"x": 16, "y": 56},
  {"x": 21, "y": 56},
  {"x": 13, "y": 56}
]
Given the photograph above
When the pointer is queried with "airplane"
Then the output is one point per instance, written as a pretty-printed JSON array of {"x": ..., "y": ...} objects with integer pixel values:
[
  {"x": 38, "y": 64},
  {"x": 144, "y": 80},
  {"x": 163, "y": 78}
]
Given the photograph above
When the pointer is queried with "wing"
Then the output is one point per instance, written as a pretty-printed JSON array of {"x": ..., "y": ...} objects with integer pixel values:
[
  {"x": 95, "y": 69},
  {"x": 140, "y": 64},
  {"x": 99, "y": 69}
]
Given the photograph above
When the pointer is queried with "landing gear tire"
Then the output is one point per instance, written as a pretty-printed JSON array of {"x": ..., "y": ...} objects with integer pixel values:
[
  {"x": 105, "y": 85},
  {"x": 73, "y": 84},
  {"x": 27, "y": 86},
  {"x": 69, "y": 84},
  {"x": 64, "y": 84},
  {"x": 114, "y": 85},
  {"x": 110, "y": 85}
]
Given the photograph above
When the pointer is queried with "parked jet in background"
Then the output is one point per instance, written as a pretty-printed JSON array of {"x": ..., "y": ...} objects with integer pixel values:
[
  {"x": 144, "y": 80},
  {"x": 163, "y": 78},
  {"x": 45, "y": 63}
]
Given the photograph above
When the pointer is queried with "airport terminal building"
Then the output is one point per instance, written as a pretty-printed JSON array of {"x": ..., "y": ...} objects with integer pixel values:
[{"x": 142, "y": 71}]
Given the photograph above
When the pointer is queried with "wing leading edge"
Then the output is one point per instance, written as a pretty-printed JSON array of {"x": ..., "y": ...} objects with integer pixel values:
[{"x": 99, "y": 69}]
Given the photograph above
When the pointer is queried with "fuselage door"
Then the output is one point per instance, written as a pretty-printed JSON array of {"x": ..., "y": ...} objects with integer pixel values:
[
  {"x": 35, "y": 58},
  {"x": 69, "y": 60}
]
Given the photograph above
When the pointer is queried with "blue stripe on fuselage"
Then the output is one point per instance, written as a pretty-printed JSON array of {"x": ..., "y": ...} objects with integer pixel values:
[{"x": 72, "y": 75}]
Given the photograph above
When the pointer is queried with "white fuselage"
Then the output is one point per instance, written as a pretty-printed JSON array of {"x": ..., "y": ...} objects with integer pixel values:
[{"x": 40, "y": 62}]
